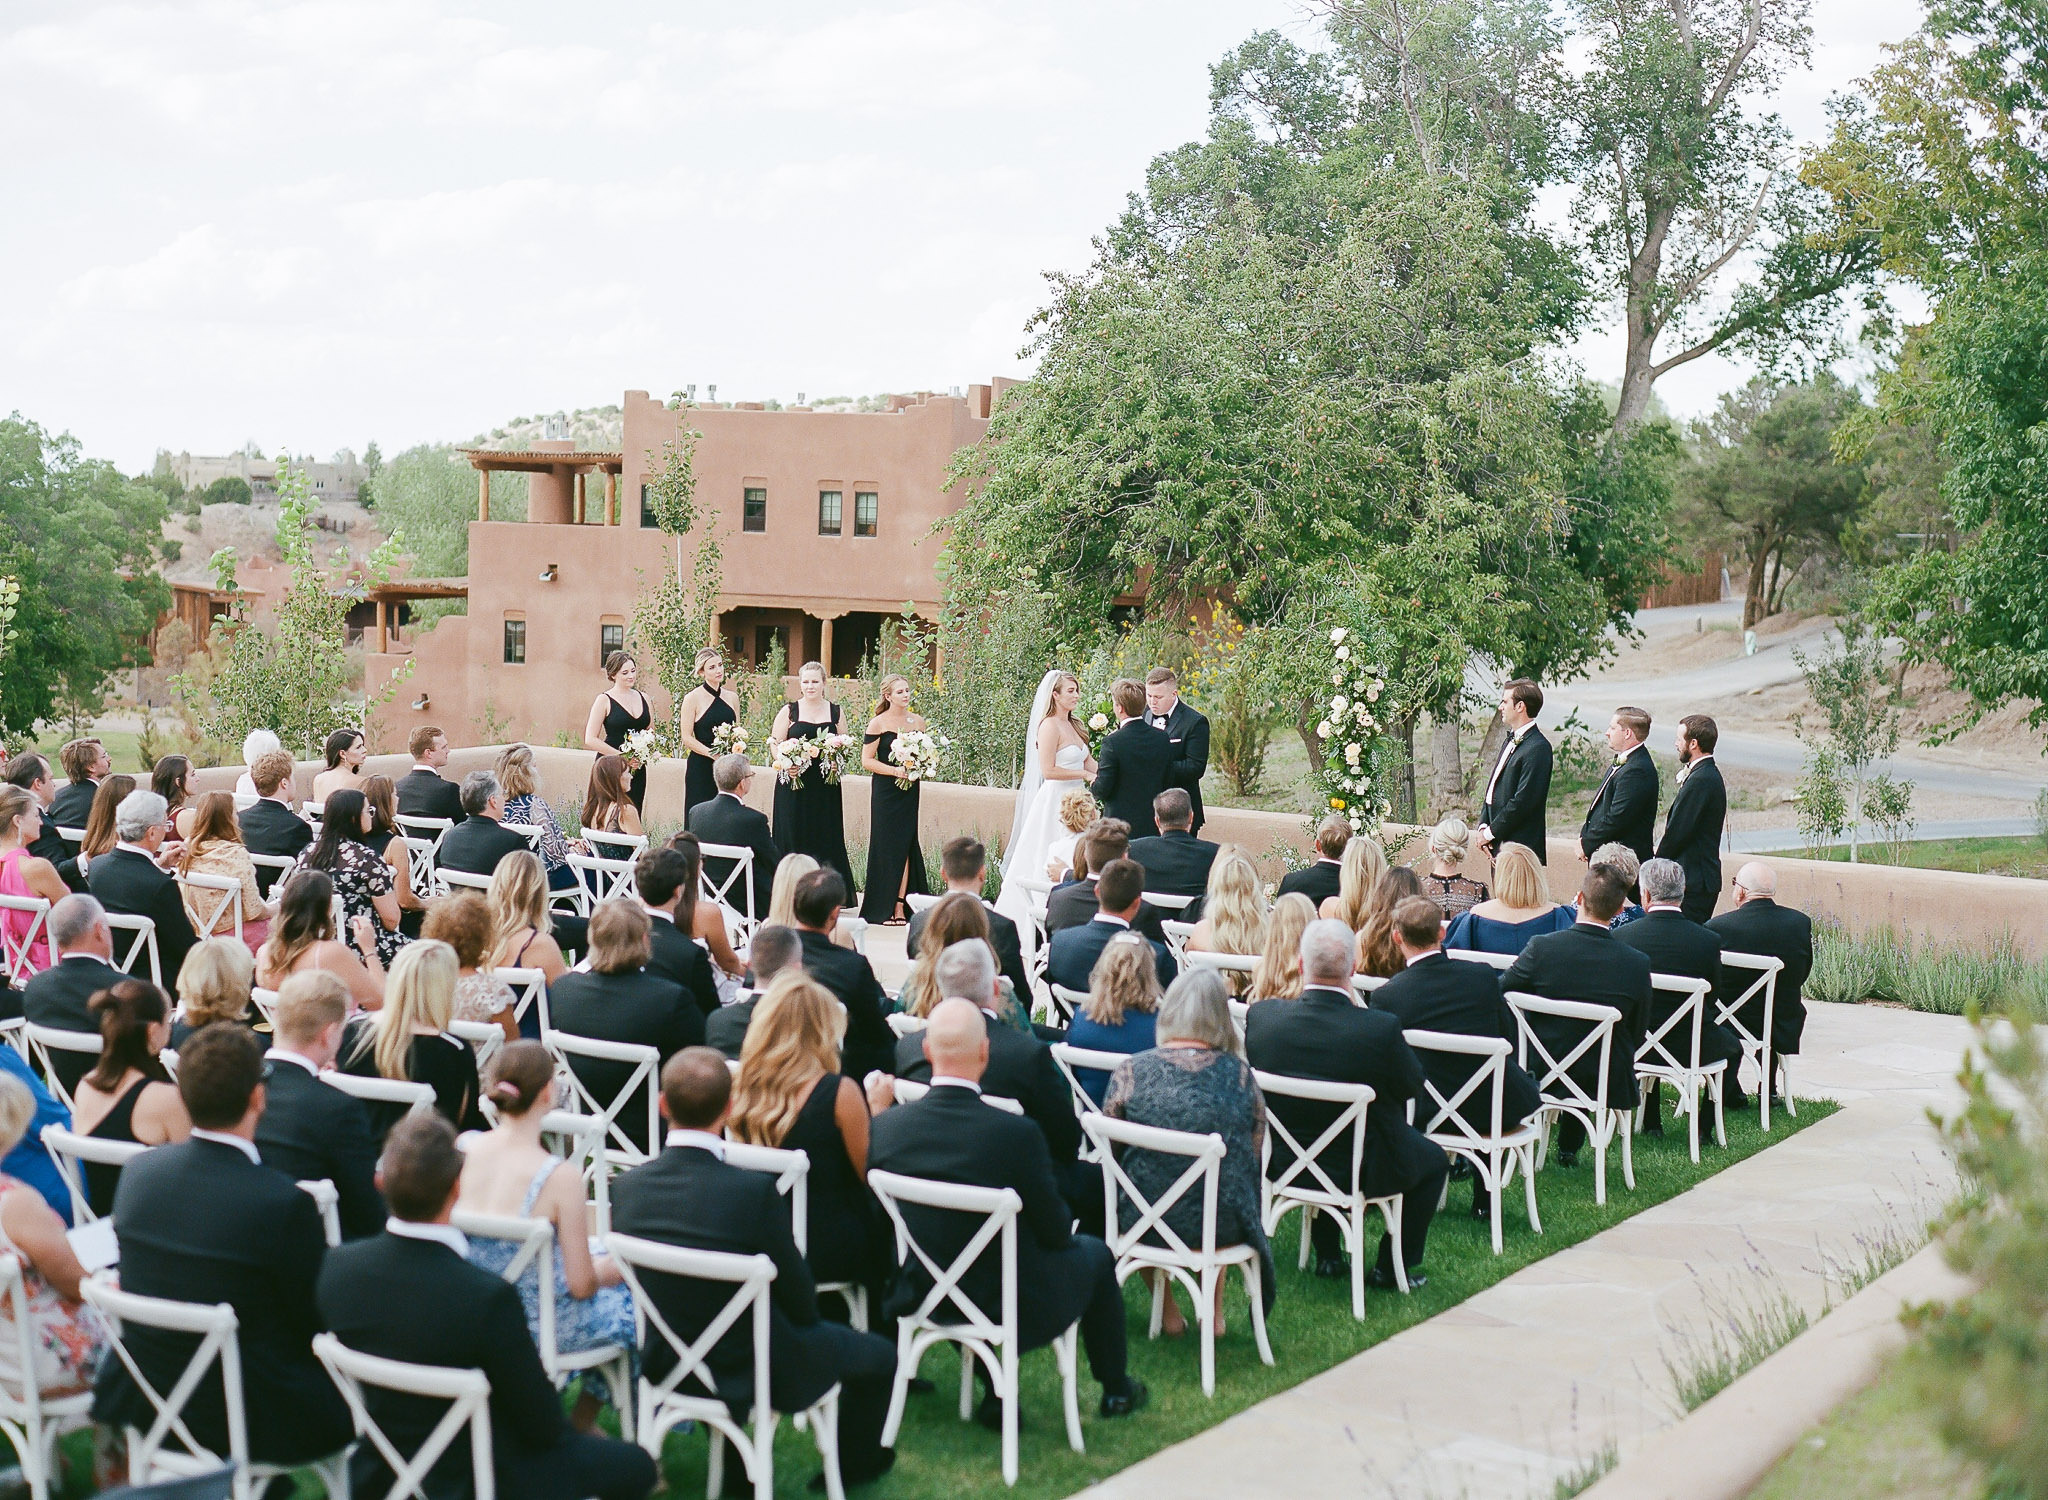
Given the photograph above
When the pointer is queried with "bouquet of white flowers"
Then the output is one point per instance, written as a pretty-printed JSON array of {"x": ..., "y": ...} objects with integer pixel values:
[
  {"x": 835, "y": 755},
  {"x": 643, "y": 748},
  {"x": 729, "y": 739},
  {"x": 792, "y": 758},
  {"x": 919, "y": 752}
]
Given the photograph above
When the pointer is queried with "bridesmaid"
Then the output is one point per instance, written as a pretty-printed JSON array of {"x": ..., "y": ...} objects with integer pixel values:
[
  {"x": 346, "y": 751},
  {"x": 895, "y": 862},
  {"x": 809, "y": 818},
  {"x": 706, "y": 706},
  {"x": 621, "y": 709}
]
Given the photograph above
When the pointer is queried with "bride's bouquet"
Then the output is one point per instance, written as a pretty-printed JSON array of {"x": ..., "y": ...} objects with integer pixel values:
[
  {"x": 792, "y": 758},
  {"x": 729, "y": 739},
  {"x": 642, "y": 749},
  {"x": 835, "y": 755},
  {"x": 920, "y": 752}
]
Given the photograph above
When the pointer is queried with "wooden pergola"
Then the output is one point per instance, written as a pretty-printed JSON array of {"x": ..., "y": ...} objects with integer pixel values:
[
  {"x": 489, "y": 461},
  {"x": 386, "y": 597}
]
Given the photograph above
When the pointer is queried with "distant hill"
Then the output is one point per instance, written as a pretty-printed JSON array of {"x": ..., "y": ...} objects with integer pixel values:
[{"x": 601, "y": 428}]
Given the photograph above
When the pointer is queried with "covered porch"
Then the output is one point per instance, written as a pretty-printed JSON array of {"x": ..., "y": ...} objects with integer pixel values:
[{"x": 558, "y": 482}]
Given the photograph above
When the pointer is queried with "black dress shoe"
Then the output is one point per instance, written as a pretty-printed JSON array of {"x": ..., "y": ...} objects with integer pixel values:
[
  {"x": 1384, "y": 1280},
  {"x": 1332, "y": 1268},
  {"x": 1567, "y": 1159},
  {"x": 919, "y": 1386},
  {"x": 990, "y": 1413},
  {"x": 1134, "y": 1397},
  {"x": 1482, "y": 1210},
  {"x": 852, "y": 1477}
]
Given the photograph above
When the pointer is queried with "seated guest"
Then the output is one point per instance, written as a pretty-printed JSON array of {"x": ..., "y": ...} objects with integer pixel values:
[
  {"x": 214, "y": 847},
  {"x": 963, "y": 865},
  {"x": 522, "y": 932},
  {"x": 773, "y": 951},
  {"x": 31, "y": 772},
  {"x": 311, "y": 1130},
  {"x": 1624, "y": 862},
  {"x": 511, "y": 1174},
  {"x": 256, "y": 744},
  {"x": 345, "y": 751},
  {"x": 423, "y": 792},
  {"x": 1519, "y": 909},
  {"x": 608, "y": 808},
  {"x": 1321, "y": 880},
  {"x": 476, "y": 844},
  {"x": 1358, "y": 876},
  {"x": 100, "y": 833},
  {"x": 1233, "y": 917},
  {"x": 1072, "y": 952},
  {"x": 520, "y": 782},
  {"x": 409, "y": 1040},
  {"x": 359, "y": 873},
  {"x": 303, "y": 937},
  {"x": 385, "y": 841},
  {"x": 790, "y": 1092},
  {"x": 1076, "y": 902},
  {"x": 1379, "y": 953},
  {"x": 29, "y": 1161},
  {"x": 1454, "y": 892},
  {"x": 213, "y": 986},
  {"x": 726, "y": 819},
  {"x": 954, "y": 918},
  {"x": 67, "y": 1341},
  {"x": 270, "y": 825},
  {"x": 128, "y": 1096},
  {"x": 1327, "y": 1035},
  {"x": 782, "y": 894},
  {"x": 1078, "y": 808},
  {"x": 128, "y": 881},
  {"x": 1585, "y": 962},
  {"x": 1120, "y": 1012},
  {"x": 667, "y": 886},
  {"x": 171, "y": 779},
  {"x": 463, "y": 921},
  {"x": 204, "y": 1221},
  {"x": 704, "y": 920},
  {"x": 1278, "y": 976},
  {"x": 690, "y": 1196},
  {"x": 869, "y": 1043},
  {"x": 1677, "y": 945},
  {"x": 23, "y": 873},
  {"x": 619, "y": 1000},
  {"x": 86, "y": 765},
  {"x": 1176, "y": 862},
  {"x": 951, "y": 1136},
  {"x": 61, "y": 996},
  {"x": 1195, "y": 1081},
  {"x": 411, "y": 1294},
  {"x": 1758, "y": 924}
]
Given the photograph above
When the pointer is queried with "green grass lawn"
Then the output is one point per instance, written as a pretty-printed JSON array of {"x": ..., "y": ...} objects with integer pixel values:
[
  {"x": 2022, "y": 855},
  {"x": 1881, "y": 1442}
]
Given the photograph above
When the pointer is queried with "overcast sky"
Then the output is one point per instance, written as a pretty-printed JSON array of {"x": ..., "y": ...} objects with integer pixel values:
[{"x": 410, "y": 220}]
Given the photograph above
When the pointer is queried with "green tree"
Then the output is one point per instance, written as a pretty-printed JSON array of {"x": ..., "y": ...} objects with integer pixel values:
[
  {"x": 672, "y": 620},
  {"x": 429, "y": 493},
  {"x": 229, "y": 489},
  {"x": 1859, "y": 727}
]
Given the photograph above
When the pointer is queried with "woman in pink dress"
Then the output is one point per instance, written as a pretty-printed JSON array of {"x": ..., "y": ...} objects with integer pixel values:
[{"x": 22, "y": 874}]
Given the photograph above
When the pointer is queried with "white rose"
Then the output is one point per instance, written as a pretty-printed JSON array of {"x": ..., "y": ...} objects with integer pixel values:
[
  {"x": 1337, "y": 635},
  {"x": 1098, "y": 721},
  {"x": 1337, "y": 678},
  {"x": 1339, "y": 703},
  {"x": 1343, "y": 653},
  {"x": 1372, "y": 693},
  {"x": 1323, "y": 730}
]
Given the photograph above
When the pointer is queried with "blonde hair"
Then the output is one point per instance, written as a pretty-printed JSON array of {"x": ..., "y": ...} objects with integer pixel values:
[
  {"x": 1078, "y": 809},
  {"x": 419, "y": 991},
  {"x": 704, "y": 659},
  {"x": 1278, "y": 976},
  {"x": 1126, "y": 977},
  {"x": 214, "y": 981},
  {"x": 1364, "y": 863},
  {"x": 17, "y": 1111},
  {"x": 621, "y": 937},
  {"x": 782, "y": 895},
  {"x": 1518, "y": 879},
  {"x": 883, "y": 687},
  {"x": 1450, "y": 841},
  {"x": 307, "y": 1004},
  {"x": 792, "y": 1039},
  {"x": 518, "y": 897},
  {"x": 954, "y": 918},
  {"x": 1236, "y": 918},
  {"x": 515, "y": 771}
]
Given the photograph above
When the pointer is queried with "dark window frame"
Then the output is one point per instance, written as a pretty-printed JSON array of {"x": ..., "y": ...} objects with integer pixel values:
[
  {"x": 606, "y": 645},
  {"x": 515, "y": 643},
  {"x": 753, "y": 508},
  {"x": 867, "y": 512},
  {"x": 647, "y": 520},
  {"x": 838, "y": 512}
]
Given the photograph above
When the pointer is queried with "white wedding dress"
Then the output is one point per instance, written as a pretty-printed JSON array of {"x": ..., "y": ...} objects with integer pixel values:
[{"x": 1041, "y": 826}]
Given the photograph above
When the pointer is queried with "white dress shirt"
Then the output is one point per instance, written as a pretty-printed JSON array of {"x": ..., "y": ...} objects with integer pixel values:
[
  {"x": 440, "y": 1234},
  {"x": 222, "y": 1138},
  {"x": 947, "y": 1080},
  {"x": 703, "y": 1140}
]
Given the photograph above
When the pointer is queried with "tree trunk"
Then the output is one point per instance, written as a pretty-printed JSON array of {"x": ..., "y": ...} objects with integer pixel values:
[
  {"x": 1489, "y": 752},
  {"x": 1404, "y": 775},
  {"x": 1446, "y": 770}
]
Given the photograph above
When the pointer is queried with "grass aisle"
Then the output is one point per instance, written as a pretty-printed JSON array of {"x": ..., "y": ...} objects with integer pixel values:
[{"x": 1311, "y": 1328}]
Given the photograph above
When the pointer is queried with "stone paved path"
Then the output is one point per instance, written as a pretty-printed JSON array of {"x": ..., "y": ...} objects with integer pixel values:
[{"x": 1498, "y": 1397}]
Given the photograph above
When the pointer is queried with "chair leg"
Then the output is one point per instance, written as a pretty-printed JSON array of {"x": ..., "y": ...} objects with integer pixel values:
[
  {"x": 619, "y": 1375},
  {"x": 1308, "y": 1217},
  {"x": 899, "y": 1389},
  {"x": 1715, "y": 1082},
  {"x": 1358, "y": 1259},
  {"x": 1159, "y": 1294},
  {"x": 966, "y": 1383},
  {"x": 1390, "y": 1215},
  {"x": 1599, "y": 1163},
  {"x": 1529, "y": 1197},
  {"x": 1763, "y": 1091},
  {"x": 1628, "y": 1150},
  {"x": 1495, "y": 1180},
  {"x": 761, "y": 1465},
  {"x": 1009, "y": 1378},
  {"x": 1066, "y": 1352},
  {"x": 1207, "y": 1318},
  {"x": 1692, "y": 1123},
  {"x": 1255, "y": 1290},
  {"x": 825, "y": 1431},
  {"x": 1785, "y": 1073},
  {"x": 714, "y": 1469}
]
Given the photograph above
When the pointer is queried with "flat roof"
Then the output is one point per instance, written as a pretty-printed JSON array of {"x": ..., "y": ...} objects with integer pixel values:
[{"x": 525, "y": 462}]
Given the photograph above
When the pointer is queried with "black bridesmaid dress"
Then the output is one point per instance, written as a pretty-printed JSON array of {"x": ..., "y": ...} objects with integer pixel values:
[
  {"x": 617, "y": 725},
  {"x": 810, "y": 817},
  {"x": 697, "y": 783},
  {"x": 892, "y": 840}
]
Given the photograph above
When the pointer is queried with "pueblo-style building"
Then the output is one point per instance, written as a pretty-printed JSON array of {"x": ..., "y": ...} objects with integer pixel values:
[{"x": 824, "y": 518}]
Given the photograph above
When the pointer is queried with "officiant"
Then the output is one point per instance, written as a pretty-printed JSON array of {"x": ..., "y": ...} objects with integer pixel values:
[{"x": 1187, "y": 730}]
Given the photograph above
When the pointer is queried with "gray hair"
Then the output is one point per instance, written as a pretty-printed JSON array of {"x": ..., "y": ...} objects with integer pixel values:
[
  {"x": 1329, "y": 952},
  {"x": 1758, "y": 879},
  {"x": 966, "y": 970},
  {"x": 1619, "y": 858},
  {"x": 1663, "y": 881},
  {"x": 258, "y": 743},
  {"x": 73, "y": 919},
  {"x": 1196, "y": 1008},
  {"x": 139, "y": 812},
  {"x": 478, "y": 787},
  {"x": 728, "y": 771}
]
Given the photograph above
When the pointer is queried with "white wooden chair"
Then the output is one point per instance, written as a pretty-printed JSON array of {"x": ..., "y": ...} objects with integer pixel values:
[
  {"x": 792, "y": 1173},
  {"x": 1756, "y": 1045},
  {"x": 1670, "y": 1053},
  {"x": 168, "y": 1449},
  {"x": 1591, "y": 1030},
  {"x": 1222, "y": 963},
  {"x": 903, "y": 1023},
  {"x": 580, "y": 1139},
  {"x": 14, "y": 950},
  {"x": 31, "y": 1421},
  {"x": 447, "y": 882},
  {"x": 468, "y": 1393},
  {"x": 45, "y": 1040},
  {"x": 734, "y": 893},
  {"x": 689, "y": 1391},
  {"x": 245, "y": 800},
  {"x": 1498, "y": 1150},
  {"x": 216, "y": 896},
  {"x": 484, "y": 1039},
  {"x": 1068, "y": 1058},
  {"x": 69, "y": 1151},
  {"x": 1501, "y": 961},
  {"x": 1292, "y": 1175},
  {"x": 265, "y": 1002},
  {"x": 280, "y": 865},
  {"x": 599, "y": 879},
  {"x": 1066, "y": 1004},
  {"x": 139, "y": 947},
  {"x": 578, "y": 1098},
  {"x": 1152, "y": 1244},
  {"x": 423, "y": 842},
  {"x": 417, "y": 1097},
  {"x": 313, "y": 812},
  {"x": 1177, "y": 935},
  {"x": 1167, "y": 902},
  {"x": 635, "y": 844},
  {"x": 327, "y": 1198},
  {"x": 531, "y": 832},
  {"x": 909, "y": 1091},
  {"x": 945, "y": 1314},
  {"x": 1363, "y": 985},
  {"x": 856, "y": 932},
  {"x": 529, "y": 989},
  {"x": 919, "y": 903}
]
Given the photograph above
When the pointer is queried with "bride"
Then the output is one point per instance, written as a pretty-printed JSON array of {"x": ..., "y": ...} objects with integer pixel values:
[{"x": 1056, "y": 761}]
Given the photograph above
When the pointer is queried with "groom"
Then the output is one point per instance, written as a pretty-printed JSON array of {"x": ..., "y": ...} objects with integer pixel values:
[
  {"x": 1134, "y": 763},
  {"x": 1186, "y": 730}
]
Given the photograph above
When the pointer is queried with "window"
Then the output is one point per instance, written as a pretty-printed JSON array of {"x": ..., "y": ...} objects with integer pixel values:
[
  {"x": 753, "y": 510},
  {"x": 865, "y": 507},
  {"x": 646, "y": 509},
  {"x": 515, "y": 642},
  {"x": 610, "y": 638},
  {"x": 828, "y": 512}
]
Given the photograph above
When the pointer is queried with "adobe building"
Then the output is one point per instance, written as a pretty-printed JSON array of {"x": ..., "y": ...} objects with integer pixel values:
[{"x": 825, "y": 519}]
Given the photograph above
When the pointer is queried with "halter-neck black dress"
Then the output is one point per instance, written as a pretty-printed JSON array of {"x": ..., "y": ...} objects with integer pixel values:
[
  {"x": 617, "y": 725},
  {"x": 697, "y": 783},
  {"x": 810, "y": 817},
  {"x": 892, "y": 839}
]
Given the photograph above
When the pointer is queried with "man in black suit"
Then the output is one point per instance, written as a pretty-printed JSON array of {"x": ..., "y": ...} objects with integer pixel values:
[
  {"x": 127, "y": 880},
  {"x": 1518, "y": 792},
  {"x": 726, "y": 819},
  {"x": 1759, "y": 925},
  {"x": 410, "y": 1293},
  {"x": 269, "y": 824},
  {"x": 1071, "y": 952},
  {"x": 85, "y": 763},
  {"x": 481, "y": 839},
  {"x": 423, "y": 792},
  {"x": 1326, "y": 1035},
  {"x": 963, "y": 865},
  {"x": 1176, "y": 862},
  {"x": 1692, "y": 829},
  {"x": 869, "y": 1042},
  {"x": 690, "y": 1195},
  {"x": 31, "y": 772},
  {"x": 1134, "y": 762},
  {"x": 951, "y": 1136},
  {"x": 310, "y": 1130},
  {"x": 1075, "y": 901},
  {"x": 1624, "y": 810},
  {"x": 61, "y": 995},
  {"x": 1186, "y": 730},
  {"x": 1587, "y": 962},
  {"x": 773, "y": 949},
  {"x": 1323, "y": 879},
  {"x": 1675, "y": 944},
  {"x": 662, "y": 876},
  {"x": 205, "y": 1221}
]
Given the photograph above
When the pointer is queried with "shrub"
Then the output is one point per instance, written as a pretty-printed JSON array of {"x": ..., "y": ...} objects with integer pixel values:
[
  {"x": 1939, "y": 978},
  {"x": 1228, "y": 679}
]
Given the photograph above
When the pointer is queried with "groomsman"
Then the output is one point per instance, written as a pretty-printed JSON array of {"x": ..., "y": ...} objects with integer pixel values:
[
  {"x": 1135, "y": 762},
  {"x": 1186, "y": 730},
  {"x": 1519, "y": 788},
  {"x": 1625, "y": 809},
  {"x": 1692, "y": 829}
]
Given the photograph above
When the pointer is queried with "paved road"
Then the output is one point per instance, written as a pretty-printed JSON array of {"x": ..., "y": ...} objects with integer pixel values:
[{"x": 1779, "y": 840}]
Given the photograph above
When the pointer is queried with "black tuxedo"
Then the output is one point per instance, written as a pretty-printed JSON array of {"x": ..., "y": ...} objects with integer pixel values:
[
  {"x": 50, "y": 845},
  {"x": 1177, "y": 864},
  {"x": 131, "y": 884},
  {"x": 1514, "y": 814},
  {"x": 1075, "y": 902},
  {"x": 1625, "y": 809},
  {"x": 1436, "y": 993},
  {"x": 1002, "y": 936},
  {"x": 869, "y": 1043},
  {"x": 72, "y": 806},
  {"x": 200, "y": 1222},
  {"x": 1762, "y": 926},
  {"x": 1692, "y": 836},
  {"x": 1072, "y": 951},
  {"x": 272, "y": 828},
  {"x": 1188, "y": 732},
  {"x": 1677, "y": 945},
  {"x": 1134, "y": 764},
  {"x": 475, "y": 845},
  {"x": 687, "y": 1196},
  {"x": 638, "y": 1007},
  {"x": 1020, "y": 1067},
  {"x": 726, "y": 1032},
  {"x": 60, "y": 996},
  {"x": 1586, "y": 962},
  {"x": 681, "y": 960},
  {"x": 409, "y": 1299},
  {"x": 428, "y": 794},
  {"x": 1319, "y": 882},
  {"x": 310, "y": 1129},
  {"x": 727, "y": 820}
]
